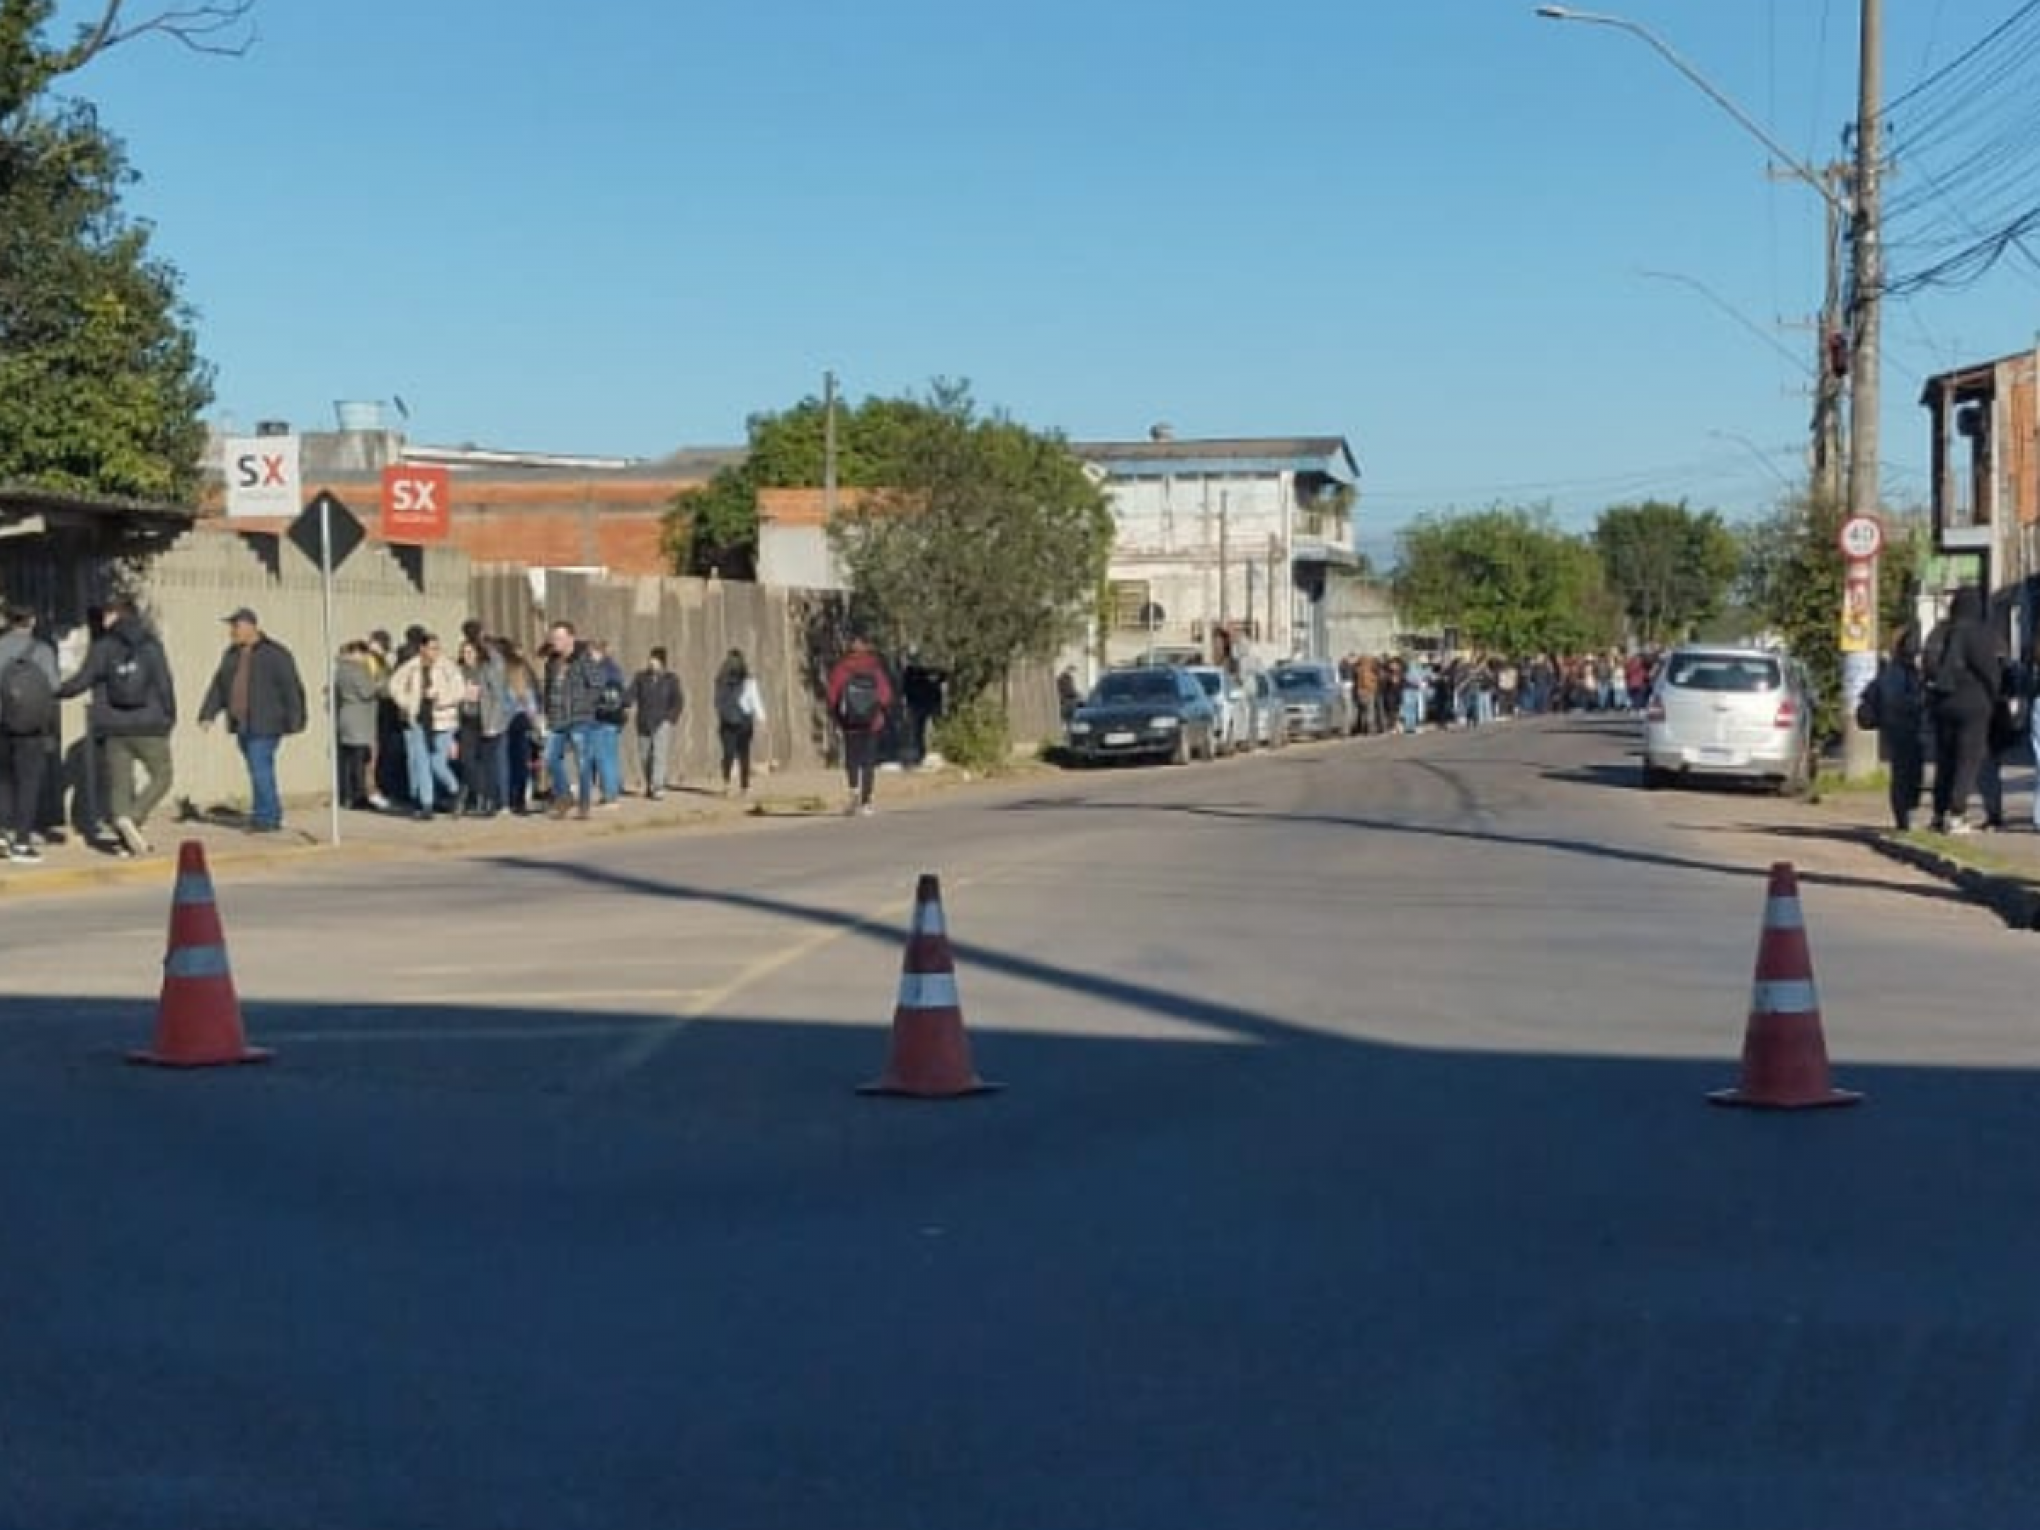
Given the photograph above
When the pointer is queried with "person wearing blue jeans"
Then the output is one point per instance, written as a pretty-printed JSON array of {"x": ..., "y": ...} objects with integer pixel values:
[
  {"x": 258, "y": 687},
  {"x": 605, "y": 732},
  {"x": 568, "y": 691}
]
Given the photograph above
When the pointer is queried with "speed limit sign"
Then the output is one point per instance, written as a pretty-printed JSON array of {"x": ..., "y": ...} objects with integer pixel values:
[{"x": 1862, "y": 538}]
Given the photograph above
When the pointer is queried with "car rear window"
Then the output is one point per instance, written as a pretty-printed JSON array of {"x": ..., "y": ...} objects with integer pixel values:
[
  {"x": 1207, "y": 679},
  {"x": 1723, "y": 672},
  {"x": 1137, "y": 685},
  {"x": 1299, "y": 679}
]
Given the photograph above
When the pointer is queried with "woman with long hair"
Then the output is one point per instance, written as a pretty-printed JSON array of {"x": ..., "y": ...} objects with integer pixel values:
[{"x": 738, "y": 708}]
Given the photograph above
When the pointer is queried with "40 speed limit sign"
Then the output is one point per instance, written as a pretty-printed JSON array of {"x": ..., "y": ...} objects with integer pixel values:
[{"x": 1862, "y": 538}]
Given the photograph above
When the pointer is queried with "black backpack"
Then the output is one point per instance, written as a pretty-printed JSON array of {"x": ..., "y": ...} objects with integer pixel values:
[
  {"x": 858, "y": 705},
  {"x": 729, "y": 702},
  {"x": 28, "y": 702},
  {"x": 127, "y": 681}
]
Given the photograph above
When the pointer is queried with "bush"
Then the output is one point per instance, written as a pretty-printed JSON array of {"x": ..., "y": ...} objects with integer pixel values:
[{"x": 975, "y": 735}]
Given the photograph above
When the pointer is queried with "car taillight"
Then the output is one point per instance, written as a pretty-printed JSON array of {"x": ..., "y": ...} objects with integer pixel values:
[
  {"x": 1788, "y": 714},
  {"x": 1655, "y": 712}
]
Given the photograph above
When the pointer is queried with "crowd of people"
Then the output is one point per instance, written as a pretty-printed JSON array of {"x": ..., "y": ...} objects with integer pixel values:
[
  {"x": 476, "y": 729},
  {"x": 1398, "y": 693}
]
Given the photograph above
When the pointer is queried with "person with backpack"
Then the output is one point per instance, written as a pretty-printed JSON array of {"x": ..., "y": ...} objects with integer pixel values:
[
  {"x": 258, "y": 687},
  {"x": 656, "y": 700},
  {"x": 738, "y": 709},
  {"x": 1894, "y": 703},
  {"x": 860, "y": 698},
  {"x": 28, "y": 720},
  {"x": 1964, "y": 665},
  {"x": 131, "y": 714}
]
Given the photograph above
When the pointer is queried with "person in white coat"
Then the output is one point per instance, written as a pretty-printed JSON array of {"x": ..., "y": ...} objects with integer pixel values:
[{"x": 426, "y": 690}]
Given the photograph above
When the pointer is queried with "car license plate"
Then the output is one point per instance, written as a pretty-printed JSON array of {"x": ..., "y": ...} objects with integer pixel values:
[
  {"x": 1118, "y": 738},
  {"x": 1716, "y": 754}
]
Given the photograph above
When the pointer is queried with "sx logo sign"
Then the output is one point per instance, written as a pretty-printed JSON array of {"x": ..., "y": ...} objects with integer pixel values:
[
  {"x": 414, "y": 496},
  {"x": 260, "y": 471}
]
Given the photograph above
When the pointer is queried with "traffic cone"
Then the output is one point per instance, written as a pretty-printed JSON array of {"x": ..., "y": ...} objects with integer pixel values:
[
  {"x": 198, "y": 1020},
  {"x": 1784, "y": 1058},
  {"x": 930, "y": 1052}
]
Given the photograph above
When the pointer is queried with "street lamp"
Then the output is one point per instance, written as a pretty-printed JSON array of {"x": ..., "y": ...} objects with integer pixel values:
[{"x": 1671, "y": 56}]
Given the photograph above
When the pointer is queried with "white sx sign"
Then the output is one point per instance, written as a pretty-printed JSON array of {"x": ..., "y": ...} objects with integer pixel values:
[{"x": 262, "y": 476}]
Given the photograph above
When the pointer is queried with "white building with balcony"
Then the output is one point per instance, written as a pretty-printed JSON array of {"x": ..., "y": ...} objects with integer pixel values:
[{"x": 1238, "y": 535}]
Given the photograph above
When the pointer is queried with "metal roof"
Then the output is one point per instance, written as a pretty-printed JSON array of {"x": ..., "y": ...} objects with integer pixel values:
[{"x": 1326, "y": 455}]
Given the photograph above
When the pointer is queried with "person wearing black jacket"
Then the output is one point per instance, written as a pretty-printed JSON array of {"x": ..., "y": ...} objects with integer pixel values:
[
  {"x": 258, "y": 687},
  {"x": 1964, "y": 665},
  {"x": 656, "y": 701},
  {"x": 130, "y": 716}
]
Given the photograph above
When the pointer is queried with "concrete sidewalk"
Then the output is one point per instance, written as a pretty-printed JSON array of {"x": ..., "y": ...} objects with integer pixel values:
[{"x": 70, "y": 862}]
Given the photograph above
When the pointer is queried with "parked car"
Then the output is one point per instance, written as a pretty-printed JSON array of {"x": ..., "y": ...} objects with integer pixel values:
[
  {"x": 1729, "y": 713},
  {"x": 1270, "y": 728},
  {"x": 1159, "y": 713},
  {"x": 1229, "y": 700},
  {"x": 1313, "y": 701}
]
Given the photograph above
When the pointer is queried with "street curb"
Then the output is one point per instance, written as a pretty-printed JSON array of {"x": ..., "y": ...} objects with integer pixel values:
[{"x": 2015, "y": 899}]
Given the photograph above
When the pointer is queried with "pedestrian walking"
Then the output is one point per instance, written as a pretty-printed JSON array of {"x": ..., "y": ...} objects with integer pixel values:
[
  {"x": 656, "y": 701},
  {"x": 738, "y": 710},
  {"x": 860, "y": 699},
  {"x": 28, "y": 719},
  {"x": 258, "y": 688},
  {"x": 921, "y": 688},
  {"x": 132, "y": 710},
  {"x": 1963, "y": 662}
]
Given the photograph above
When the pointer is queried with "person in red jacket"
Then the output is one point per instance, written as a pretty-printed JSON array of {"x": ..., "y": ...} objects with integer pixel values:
[{"x": 860, "y": 699}]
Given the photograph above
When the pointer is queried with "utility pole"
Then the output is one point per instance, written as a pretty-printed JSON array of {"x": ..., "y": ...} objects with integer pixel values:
[
  {"x": 828, "y": 448},
  {"x": 1831, "y": 359},
  {"x": 1866, "y": 259}
]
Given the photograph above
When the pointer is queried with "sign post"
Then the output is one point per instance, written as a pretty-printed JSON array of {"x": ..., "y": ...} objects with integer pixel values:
[
  {"x": 1861, "y": 540},
  {"x": 329, "y": 526}
]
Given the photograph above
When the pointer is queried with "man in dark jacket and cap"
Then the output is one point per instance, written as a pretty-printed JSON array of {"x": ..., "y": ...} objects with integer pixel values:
[
  {"x": 130, "y": 716},
  {"x": 1964, "y": 664},
  {"x": 257, "y": 685}
]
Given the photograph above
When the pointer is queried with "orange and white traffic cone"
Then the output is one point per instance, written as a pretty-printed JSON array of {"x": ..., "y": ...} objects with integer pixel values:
[
  {"x": 198, "y": 1019},
  {"x": 1784, "y": 1061},
  {"x": 930, "y": 1053}
]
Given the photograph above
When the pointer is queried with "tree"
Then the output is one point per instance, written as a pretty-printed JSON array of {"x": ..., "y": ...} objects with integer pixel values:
[
  {"x": 101, "y": 384},
  {"x": 1669, "y": 566},
  {"x": 1791, "y": 579},
  {"x": 714, "y": 529},
  {"x": 983, "y": 548},
  {"x": 1507, "y": 579}
]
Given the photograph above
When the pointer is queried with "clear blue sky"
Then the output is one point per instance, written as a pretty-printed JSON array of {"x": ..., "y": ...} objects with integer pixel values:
[{"x": 1426, "y": 226}]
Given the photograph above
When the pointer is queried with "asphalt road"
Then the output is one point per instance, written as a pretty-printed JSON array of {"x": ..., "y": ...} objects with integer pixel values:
[{"x": 1353, "y": 1169}]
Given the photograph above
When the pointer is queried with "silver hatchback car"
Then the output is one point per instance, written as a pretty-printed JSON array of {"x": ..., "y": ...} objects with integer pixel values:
[{"x": 1729, "y": 713}]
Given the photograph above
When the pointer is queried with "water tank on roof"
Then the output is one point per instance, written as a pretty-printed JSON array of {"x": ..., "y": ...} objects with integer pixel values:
[{"x": 359, "y": 415}]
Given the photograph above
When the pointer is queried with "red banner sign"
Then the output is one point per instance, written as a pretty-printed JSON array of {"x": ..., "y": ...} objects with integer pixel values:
[{"x": 416, "y": 504}]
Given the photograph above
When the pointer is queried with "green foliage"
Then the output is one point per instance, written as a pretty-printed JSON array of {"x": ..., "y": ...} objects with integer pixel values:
[
  {"x": 1791, "y": 580},
  {"x": 714, "y": 529},
  {"x": 975, "y": 734},
  {"x": 1670, "y": 567},
  {"x": 1507, "y": 579},
  {"x": 984, "y": 545},
  {"x": 101, "y": 386}
]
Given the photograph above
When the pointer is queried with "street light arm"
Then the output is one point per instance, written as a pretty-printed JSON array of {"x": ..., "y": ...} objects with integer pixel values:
[{"x": 1671, "y": 56}]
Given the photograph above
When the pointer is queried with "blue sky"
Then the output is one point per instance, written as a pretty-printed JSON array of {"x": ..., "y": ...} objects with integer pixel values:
[{"x": 1510, "y": 260}]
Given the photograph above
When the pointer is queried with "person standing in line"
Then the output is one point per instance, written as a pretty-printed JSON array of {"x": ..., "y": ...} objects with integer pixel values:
[
  {"x": 28, "y": 714},
  {"x": 527, "y": 717},
  {"x": 357, "y": 705},
  {"x": 1963, "y": 666},
  {"x": 921, "y": 689},
  {"x": 738, "y": 710},
  {"x": 1894, "y": 703},
  {"x": 427, "y": 690},
  {"x": 131, "y": 714},
  {"x": 860, "y": 699},
  {"x": 258, "y": 687},
  {"x": 569, "y": 691},
  {"x": 657, "y": 701},
  {"x": 612, "y": 710}
]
